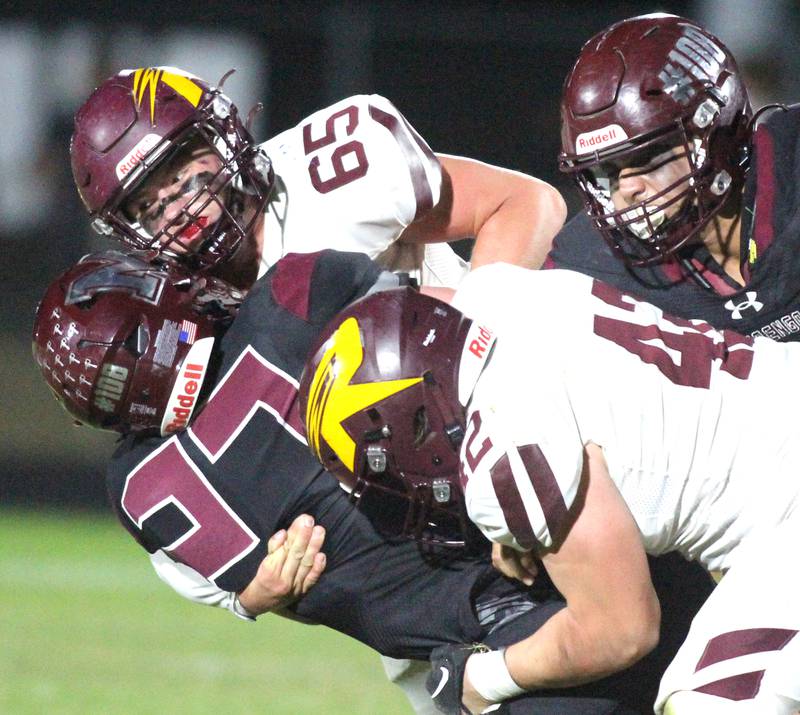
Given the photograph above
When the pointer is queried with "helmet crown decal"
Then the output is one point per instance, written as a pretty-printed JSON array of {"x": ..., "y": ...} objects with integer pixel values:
[{"x": 148, "y": 78}]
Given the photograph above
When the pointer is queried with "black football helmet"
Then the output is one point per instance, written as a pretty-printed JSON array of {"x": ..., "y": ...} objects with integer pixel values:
[
  {"x": 139, "y": 126},
  {"x": 641, "y": 85},
  {"x": 125, "y": 344},
  {"x": 380, "y": 396}
]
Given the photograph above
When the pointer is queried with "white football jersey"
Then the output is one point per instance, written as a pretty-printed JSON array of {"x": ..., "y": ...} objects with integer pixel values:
[
  {"x": 699, "y": 427},
  {"x": 349, "y": 177},
  {"x": 352, "y": 177}
]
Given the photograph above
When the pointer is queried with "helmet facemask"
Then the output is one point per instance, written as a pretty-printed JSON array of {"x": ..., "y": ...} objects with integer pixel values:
[
  {"x": 220, "y": 205},
  {"x": 654, "y": 80},
  {"x": 414, "y": 502},
  {"x": 225, "y": 188},
  {"x": 651, "y": 230}
]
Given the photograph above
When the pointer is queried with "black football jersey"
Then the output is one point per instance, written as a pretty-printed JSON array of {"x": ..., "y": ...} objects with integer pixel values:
[
  {"x": 212, "y": 495},
  {"x": 769, "y": 303}
]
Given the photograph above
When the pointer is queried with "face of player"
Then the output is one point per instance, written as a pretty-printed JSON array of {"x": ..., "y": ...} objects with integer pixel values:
[
  {"x": 176, "y": 197},
  {"x": 656, "y": 173}
]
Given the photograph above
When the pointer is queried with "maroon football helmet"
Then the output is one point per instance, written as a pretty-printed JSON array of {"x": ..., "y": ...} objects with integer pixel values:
[
  {"x": 125, "y": 344},
  {"x": 380, "y": 399},
  {"x": 142, "y": 123},
  {"x": 638, "y": 87}
]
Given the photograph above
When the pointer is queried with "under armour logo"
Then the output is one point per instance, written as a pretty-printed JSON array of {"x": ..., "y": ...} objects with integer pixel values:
[{"x": 737, "y": 308}]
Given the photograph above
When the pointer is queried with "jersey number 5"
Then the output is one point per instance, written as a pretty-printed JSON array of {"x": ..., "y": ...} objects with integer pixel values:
[{"x": 216, "y": 537}]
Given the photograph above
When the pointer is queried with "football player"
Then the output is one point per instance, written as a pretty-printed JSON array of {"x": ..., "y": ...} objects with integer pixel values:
[
  {"x": 134, "y": 347},
  {"x": 162, "y": 159},
  {"x": 695, "y": 202},
  {"x": 623, "y": 431}
]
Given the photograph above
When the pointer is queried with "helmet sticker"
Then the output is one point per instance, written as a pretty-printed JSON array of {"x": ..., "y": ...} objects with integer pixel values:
[
  {"x": 110, "y": 387},
  {"x": 186, "y": 389},
  {"x": 140, "y": 281},
  {"x": 188, "y": 332},
  {"x": 599, "y": 138},
  {"x": 138, "y": 408},
  {"x": 139, "y": 152},
  {"x": 148, "y": 78},
  {"x": 476, "y": 350},
  {"x": 694, "y": 58},
  {"x": 343, "y": 355},
  {"x": 166, "y": 343}
]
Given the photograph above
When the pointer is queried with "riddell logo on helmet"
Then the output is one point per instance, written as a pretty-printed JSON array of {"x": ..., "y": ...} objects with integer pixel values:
[
  {"x": 190, "y": 381},
  {"x": 480, "y": 343},
  {"x": 139, "y": 152},
  {"x": 187, "y": 387},
  {"x": 599, "y": 138},
  {"x": 476, "y": 350}
]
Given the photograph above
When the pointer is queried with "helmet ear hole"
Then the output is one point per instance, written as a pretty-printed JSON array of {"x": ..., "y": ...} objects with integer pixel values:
[
  {"x": 421, "y": 426},
  {"x": 137, "y": 342}
]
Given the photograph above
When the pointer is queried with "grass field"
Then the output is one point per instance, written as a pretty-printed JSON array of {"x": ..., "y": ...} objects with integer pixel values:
[{"x": 88, "y": 628}]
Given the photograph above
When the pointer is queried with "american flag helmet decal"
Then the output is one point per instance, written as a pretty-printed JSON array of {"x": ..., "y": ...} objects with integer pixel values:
[{"x": 188, "y": 332}]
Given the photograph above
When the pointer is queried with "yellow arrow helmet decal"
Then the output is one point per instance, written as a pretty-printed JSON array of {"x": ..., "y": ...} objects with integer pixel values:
[
  {"x": 332, "y": 398},
  {"x": 148, "y": 78}
]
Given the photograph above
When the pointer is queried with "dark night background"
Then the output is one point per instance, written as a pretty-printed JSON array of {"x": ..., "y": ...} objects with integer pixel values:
[{"x": 481, "y": 79}]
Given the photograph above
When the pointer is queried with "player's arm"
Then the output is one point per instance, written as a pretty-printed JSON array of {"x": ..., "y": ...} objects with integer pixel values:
[
  {"x": 612, "y": 615},
  {"x": 512, "y": 216}
]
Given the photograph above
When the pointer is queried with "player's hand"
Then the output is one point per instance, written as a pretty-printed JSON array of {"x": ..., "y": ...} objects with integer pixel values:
[
  {"x": 293, "y": 565},
  {"x": 519, "y": 565}
]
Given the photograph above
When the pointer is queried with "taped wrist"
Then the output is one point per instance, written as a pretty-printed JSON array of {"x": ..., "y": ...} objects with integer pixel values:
[{"x": 489, "y": 675}]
